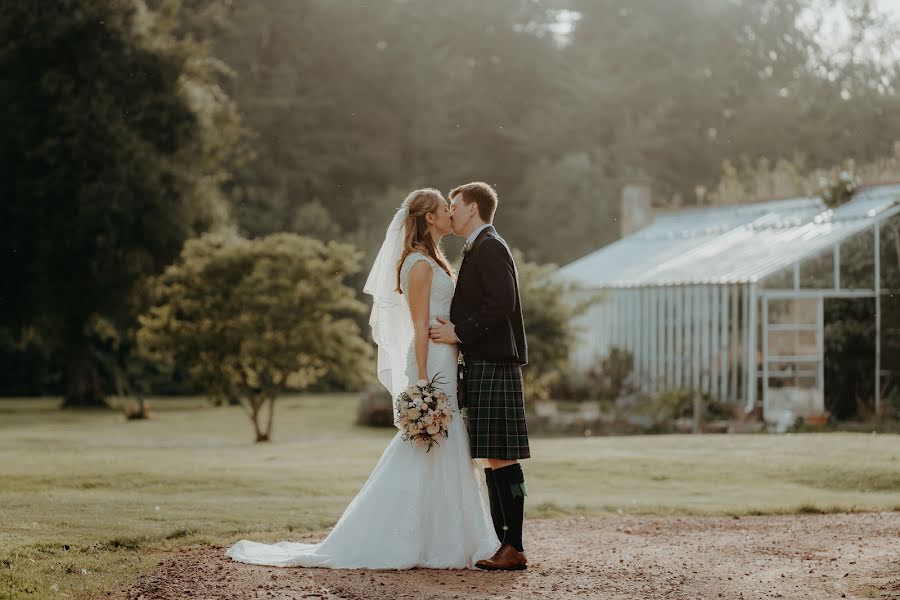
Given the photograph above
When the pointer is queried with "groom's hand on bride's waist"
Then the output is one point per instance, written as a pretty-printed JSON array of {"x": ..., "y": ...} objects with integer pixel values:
[{"x": 444, "y": 332}]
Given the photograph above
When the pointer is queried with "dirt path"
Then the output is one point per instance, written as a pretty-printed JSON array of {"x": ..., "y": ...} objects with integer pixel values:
[{"x": 807, "y": 556}]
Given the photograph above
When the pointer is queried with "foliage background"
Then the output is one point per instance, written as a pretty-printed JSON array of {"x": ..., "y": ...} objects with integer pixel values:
[{"x": 315, "y": 117}]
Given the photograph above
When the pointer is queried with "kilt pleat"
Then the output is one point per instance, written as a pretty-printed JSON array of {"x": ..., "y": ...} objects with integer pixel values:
[{"x": 496, "y": 410}]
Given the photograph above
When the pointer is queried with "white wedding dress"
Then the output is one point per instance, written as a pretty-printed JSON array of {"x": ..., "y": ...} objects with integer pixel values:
[{"x": 417, "y": 509}]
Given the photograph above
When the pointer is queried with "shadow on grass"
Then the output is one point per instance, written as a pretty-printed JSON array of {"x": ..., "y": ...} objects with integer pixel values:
[
  {"x": 549, "y": 510},
  {"x": 23, "y": 575},
  {"x": 16, "y": 588},
  {"x": 859, "y": 479}
]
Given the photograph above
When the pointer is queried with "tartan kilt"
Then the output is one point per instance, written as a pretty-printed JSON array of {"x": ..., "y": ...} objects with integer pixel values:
[{"x": 495, "y": 410}]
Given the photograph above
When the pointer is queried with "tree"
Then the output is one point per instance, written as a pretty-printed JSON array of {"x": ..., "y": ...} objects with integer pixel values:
[
  {"x": 568, "y": 202},
  {"x": 672, "y": 88},
  {"x": 254, "y": 318},
  {"x": 429, "y": 93},
  {"x": 350, "y": 105},
  {"x": 436, "y": 93},
  {"x": 548, "y": 309},
  {"x": 113, "y": 141}
]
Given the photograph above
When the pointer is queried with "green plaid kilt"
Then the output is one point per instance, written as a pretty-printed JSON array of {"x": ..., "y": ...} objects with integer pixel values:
[{"x": 496, "y": 410}]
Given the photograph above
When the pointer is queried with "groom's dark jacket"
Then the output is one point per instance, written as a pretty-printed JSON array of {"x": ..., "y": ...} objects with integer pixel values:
[{"x": 486, "y": 308}]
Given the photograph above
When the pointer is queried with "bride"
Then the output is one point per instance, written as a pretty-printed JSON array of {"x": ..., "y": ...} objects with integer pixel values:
[{"x": 417, "y": 509}]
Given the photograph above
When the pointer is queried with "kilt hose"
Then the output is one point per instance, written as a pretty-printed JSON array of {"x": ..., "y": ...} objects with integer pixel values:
[{"x": 495, "y": 410}]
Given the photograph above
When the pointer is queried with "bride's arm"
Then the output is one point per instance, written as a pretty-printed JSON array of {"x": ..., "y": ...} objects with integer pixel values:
[{"x": 419, "y": 291}]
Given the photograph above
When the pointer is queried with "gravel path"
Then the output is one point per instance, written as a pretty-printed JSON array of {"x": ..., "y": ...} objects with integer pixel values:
[{"x": 609, "y": 557}]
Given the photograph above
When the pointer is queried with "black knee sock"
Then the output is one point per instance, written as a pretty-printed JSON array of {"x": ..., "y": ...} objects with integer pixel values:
[
  {"x": 510, "y": 484},
  {"x": 496, "y": 508}
]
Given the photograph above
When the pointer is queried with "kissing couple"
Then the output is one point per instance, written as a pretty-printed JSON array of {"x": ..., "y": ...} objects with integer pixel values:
[{"x": 428, "y": 509}]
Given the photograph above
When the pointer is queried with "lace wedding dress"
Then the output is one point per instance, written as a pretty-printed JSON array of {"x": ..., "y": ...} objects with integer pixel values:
[{"x": 417, "y": 509}]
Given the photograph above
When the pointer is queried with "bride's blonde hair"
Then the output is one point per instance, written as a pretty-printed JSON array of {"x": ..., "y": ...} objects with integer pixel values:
[{"x": 415, "y": 229}]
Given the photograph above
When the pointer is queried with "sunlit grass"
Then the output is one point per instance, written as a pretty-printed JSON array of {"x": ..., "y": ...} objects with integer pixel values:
[{"x": 89, "y": 500}]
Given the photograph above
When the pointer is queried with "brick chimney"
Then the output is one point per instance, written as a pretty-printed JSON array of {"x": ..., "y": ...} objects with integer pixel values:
[{"x": 636, "y": 207}]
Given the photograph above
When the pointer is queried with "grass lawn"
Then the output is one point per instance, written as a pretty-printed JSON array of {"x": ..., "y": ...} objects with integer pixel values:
[{"x": 89, "y": 500}]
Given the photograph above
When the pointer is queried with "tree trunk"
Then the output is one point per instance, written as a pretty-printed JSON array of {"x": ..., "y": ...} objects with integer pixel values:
[
  {"x": 143, "y": 409},
  {"x": 263, "y": 436},
  {"x": 83, "y": 385},
  {"x": 256, "y": 405},
  {"x": 271, "y": 415}
]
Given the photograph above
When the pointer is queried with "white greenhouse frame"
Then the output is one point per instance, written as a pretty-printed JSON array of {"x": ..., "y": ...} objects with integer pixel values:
[{"x": 686, "y": 297}]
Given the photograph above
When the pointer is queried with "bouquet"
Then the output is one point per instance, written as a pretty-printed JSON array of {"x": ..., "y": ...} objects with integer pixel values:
[{"x": 424, "y": 413}]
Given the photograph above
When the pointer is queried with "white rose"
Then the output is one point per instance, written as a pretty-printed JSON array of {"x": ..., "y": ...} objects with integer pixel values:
[
  {"x": 432, "y": 429},
  {"x": 422, "y": 383},
  {"x": 413, "y": 414},
  {"x": 428, "y": 419}
]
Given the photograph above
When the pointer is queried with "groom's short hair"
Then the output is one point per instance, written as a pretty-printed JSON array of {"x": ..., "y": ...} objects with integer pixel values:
[{"x": 481, "y": 194}]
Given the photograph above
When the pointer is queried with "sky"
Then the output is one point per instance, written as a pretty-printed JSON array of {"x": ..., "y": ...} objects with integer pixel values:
[
  {"x": 834, "y": 31},
  {"x": 891, "y": 5},
  {"x": 566, "y": 23}
]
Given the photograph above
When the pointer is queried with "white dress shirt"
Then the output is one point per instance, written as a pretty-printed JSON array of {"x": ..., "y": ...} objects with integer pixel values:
[{"x": 471, "y": 238}]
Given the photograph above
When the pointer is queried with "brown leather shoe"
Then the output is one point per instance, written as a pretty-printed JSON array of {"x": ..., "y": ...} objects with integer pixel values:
[{"x": 506, "y": 558}]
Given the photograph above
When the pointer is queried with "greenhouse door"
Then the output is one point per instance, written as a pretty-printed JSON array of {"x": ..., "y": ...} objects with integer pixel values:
[{"x": 793, "y": 349}]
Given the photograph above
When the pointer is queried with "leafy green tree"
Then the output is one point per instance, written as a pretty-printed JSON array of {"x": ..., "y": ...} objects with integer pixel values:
[
  {"x": 429, "y": 93},
  {"x": 113, "y": 137},
  {"x": 349, "y": 105},
  {"x": 668, "y": 90},
  {"x": 253, "y": 318},
  {"x": 440, "y": 93},
  {"x": 567, "y": 205},
  {"x": 548, "y": 310}
]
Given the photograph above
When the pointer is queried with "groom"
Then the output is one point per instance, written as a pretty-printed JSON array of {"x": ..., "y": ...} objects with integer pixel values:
[{"x": 486, "y": 322}]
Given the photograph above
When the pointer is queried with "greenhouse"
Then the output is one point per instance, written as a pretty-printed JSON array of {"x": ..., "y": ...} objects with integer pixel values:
[{"x": 731, "y": 300}]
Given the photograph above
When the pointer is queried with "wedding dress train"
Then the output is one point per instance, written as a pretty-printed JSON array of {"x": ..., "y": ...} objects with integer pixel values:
[{"x": 417, "y": 509}]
